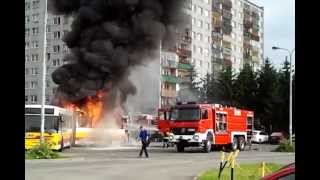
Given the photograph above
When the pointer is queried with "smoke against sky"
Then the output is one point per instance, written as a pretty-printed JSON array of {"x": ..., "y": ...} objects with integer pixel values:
[{"x": 107, "y": 39}]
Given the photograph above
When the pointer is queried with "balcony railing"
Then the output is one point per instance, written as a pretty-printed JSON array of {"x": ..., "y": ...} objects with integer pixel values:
[
  {"x": 226, "y": 4},
  {"x": 171, "y": 79},
  {"x": 184, "y": 66},
  {"x": 227, "y": 51}
]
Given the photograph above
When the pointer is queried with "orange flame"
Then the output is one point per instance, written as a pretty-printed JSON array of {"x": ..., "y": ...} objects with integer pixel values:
[{"x": 92, "y": 109}]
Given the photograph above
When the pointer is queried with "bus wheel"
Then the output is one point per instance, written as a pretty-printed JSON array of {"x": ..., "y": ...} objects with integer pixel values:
[{"x": 241, "y": 143}]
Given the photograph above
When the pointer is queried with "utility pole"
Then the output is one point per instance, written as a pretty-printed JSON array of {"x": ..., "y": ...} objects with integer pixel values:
[{"x": 44, "y": 75}]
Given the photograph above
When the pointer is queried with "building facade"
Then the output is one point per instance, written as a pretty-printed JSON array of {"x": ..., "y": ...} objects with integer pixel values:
[{"x": 57, "y": 26}]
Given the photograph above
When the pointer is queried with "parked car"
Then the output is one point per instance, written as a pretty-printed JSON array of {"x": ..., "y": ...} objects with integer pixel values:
[
  {"x": 259, "y": 136},
  {"x": 276, "y": 137},
  {"x": 285, "y": 173}
]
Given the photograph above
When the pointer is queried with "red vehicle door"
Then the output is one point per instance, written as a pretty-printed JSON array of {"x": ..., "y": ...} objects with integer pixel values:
[
  {"x": 163, "y": 120},
  {"x": 221, "y": 127}
]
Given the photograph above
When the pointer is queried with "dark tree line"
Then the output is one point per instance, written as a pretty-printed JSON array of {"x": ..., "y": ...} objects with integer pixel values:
[{"x": 266, "y": 92}]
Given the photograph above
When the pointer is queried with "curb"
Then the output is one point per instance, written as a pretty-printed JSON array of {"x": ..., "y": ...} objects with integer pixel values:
[{"x": 197, "y": 176}]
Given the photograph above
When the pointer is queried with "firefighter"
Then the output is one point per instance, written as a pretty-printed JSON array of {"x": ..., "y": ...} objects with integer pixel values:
[{"x": 166, "y": 140}]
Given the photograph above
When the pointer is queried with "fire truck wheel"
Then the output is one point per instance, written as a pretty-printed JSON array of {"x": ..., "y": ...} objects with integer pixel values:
[
  {"x": 207, "y": 146},
  {"x": 180, "y": 147},
  {"x": 234, "y": 144},
  {"x": 241, "y": 143}
]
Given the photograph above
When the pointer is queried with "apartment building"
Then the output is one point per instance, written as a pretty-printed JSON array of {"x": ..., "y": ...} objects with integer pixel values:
[{"x": 57, "y": 26}]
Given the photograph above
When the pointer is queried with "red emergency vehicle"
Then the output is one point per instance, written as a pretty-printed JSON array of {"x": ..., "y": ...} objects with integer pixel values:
[{"x": 205, "y": 125}]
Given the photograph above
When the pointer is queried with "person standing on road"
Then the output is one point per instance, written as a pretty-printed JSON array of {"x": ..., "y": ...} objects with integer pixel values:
[{"x": 144, "y": 137}]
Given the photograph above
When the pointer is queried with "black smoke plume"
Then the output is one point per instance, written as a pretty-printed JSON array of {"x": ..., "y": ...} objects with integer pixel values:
[{"x": 107, "y": 38}]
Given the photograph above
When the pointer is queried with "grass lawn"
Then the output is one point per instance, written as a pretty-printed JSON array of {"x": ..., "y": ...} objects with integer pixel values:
[{"x": 245, "y": 172}]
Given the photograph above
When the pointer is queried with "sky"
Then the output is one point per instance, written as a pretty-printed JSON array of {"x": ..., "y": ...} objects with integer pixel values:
[{"x": 279, "y": 28}]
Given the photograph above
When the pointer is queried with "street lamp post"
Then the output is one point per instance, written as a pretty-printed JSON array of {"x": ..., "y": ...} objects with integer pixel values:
[
  {"x": 44, "y": 66},
  {"x": 290, "y": 103}
]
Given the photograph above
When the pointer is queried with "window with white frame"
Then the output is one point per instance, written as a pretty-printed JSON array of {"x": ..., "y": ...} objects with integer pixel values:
[
  {"x": 56, "y": 48},
  {"x": 56, "y": 35},
  {"x": 34, "y": 71},
  {"x": 199, "y": 23},
  {"x": 194, "y": 48},
  {"x": 194, "y": 8},
  {"x": 27, "y": 19},
  {"x": 194, "y": 35},
  {"x": 199, "y": 10},
  {"x": 35, "y": 44},
  {"x": 27, "y": 58},
  {"x": 35, "y": 31},
  {"x": 193, "y": 21},
  {"x": 56, "y": 20},
  {"x": 26, "y": 98},
  {"x": 27, "y": 45},
  {"x": 199, "y": 36},
  {"x": 48, "y": 28},
  {"x": 56, "y": 62},
  {"x": 206, "y": 52},
  {"x": 34, "y": 84},
  {"x": 35, "y": 4},
  {"x": 35, "y": 57},
  {"x": 26, "y": 31},
  {"x": 27, "y": 5},
  {"x": 35, "y": 18},
  {"x": 34, "y": 98}
]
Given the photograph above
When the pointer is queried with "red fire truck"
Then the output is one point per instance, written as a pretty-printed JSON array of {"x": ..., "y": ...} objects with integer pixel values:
[{"x": 206, "y": 125}]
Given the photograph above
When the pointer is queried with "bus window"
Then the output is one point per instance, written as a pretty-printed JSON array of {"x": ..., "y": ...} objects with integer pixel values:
[{"x": 33, "y": 123}]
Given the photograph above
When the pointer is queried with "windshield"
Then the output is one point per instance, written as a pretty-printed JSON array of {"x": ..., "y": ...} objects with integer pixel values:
[
  {"x": 185, "y": 114},
  {"x": 33, "y": 123}
]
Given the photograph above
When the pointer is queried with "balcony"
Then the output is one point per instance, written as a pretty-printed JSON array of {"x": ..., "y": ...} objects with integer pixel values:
[
  {"x": 227, "y": 51},
  {"x": 184, "y": 66},
  {"x": 170, "y": 64},
  {"x": 170, "y": 79},
  {"x": 168, "y": 93},
  {"x": 227, "y": 61},
  {"x": 217, "y": 60},
  {"x": 183, "y": 52},
  {"x": 226, "y": 14},
  {"x": 255, "y": 37},
  {"x": 226, "y": 4}
]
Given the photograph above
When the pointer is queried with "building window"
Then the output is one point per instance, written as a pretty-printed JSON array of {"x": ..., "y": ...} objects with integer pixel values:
[
  {"x": 35, "y": 18},
  {"x": 193, "y": 21},
  {"x": 35, "y": 57},
  {"x": 27, "y": 45},
  {"x": 35, "y": 4},
  {"x": 34, "y": 84},
  {"x": 206, "y": 13},
  {"x": 56, "y": 35},
  {"x": 199, "y": 10},
  {"x": 35, "y": 44},
  {"x": 199, "y": 36},
  {"x": 199, "y": 23},
  {"x": 194, "y": 48},
  {"x": 48, "y": 28},
  {"x": 207, "y": 26},
  {"x": 209, "y": 39},
  {"x": 47, "y": 98},
  {"x": 27, "y": 32},
  {"x": 207, "y": 1},
  {"x": 27, "y": 19},
  {"x": 194, "y": 8},
  {"x": 26, "y": 98},
  {"x": 56, "y": 48},
  {"x": 56, "y": 20},
  {"x": 194, "y": 35},
  {"x": 47, "y": 83},
  {"x": 27, "y": 58},
  {"x": 34, "y": 71},
  {"x": 27, "y": 5},
  {"x": 35, "y": 31},
  {"x": 26, "y": 71},
  {"x": 56, "y": 62},
  {"x": 34, "y": 98},
  {"x": 206, "y": 52}
]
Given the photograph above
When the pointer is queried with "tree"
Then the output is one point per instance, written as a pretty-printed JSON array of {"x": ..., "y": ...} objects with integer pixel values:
[
  {"x": 209, "y": 89},
  {"x": 189, "y": 90},
  {"x": 226, "y": 86},
  {"x": 245, "y": 88},
  {"x": 266, "y": 96}
]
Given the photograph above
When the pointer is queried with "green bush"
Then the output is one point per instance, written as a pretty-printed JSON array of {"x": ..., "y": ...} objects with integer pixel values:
[
  {"x": 285, "y": 147},
  {"x": 41, "y": 152}
]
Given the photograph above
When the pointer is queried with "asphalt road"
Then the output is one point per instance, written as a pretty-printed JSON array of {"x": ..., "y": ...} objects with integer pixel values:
[{"x": 105, "y": 163}]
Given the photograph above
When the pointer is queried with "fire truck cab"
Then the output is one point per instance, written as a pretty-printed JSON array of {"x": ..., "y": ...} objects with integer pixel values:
[{"x": 206, "y": 125}]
